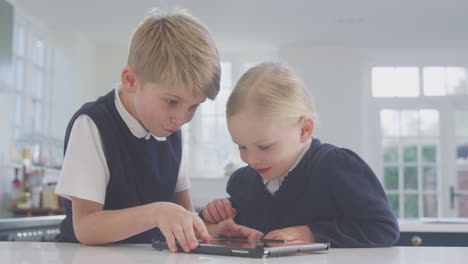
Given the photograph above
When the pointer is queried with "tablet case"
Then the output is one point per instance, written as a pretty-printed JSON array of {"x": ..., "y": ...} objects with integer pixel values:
[{"x": 250, "y": 248}]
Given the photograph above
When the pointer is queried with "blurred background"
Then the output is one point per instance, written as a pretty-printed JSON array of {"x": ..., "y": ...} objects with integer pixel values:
[{"x": 390, "y": 80}]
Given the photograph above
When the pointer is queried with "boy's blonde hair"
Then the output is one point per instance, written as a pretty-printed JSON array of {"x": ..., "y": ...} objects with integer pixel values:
[
  {"x": 271, "y": 90},
  {"x": 175, "y": 50}
]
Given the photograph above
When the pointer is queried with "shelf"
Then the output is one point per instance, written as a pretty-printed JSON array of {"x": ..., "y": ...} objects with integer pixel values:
[
  {"x": 37, "y": 211},
  {"x": 35, "y": 167}
]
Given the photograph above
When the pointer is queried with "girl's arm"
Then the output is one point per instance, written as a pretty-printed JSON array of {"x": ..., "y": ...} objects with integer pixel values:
[{"x": 366, "y": 219}]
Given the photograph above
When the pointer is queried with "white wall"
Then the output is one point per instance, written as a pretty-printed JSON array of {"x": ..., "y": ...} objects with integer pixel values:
[
  {"x": 110, "y": 60},
  {"x": 334, "y": 77},
  {"x": 73, "y": 77}
]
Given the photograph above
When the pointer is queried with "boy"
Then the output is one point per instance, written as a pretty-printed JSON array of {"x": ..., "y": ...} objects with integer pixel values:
[{"x": 124, "y": 164}]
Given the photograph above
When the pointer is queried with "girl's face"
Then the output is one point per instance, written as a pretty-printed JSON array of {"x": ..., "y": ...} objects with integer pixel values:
[{"x": 270, "y": 146}]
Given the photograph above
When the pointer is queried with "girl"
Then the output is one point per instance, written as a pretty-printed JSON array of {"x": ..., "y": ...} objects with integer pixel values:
[{"x": 295, "y": 187}]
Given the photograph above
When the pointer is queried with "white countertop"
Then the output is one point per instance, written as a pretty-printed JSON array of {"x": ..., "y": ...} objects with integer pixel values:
[
  {"x": 443, "y": 225},
  {"x": 49, "y": 253}
]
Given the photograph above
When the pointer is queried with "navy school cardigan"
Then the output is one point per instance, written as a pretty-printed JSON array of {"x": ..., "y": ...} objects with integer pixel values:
[{"x": 332, "y": 191}]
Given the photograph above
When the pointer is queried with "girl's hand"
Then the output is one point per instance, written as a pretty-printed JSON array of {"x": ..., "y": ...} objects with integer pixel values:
[
  {"x": 229, "y": 228},
  {"x": 295, "y": 233},
  {"x": 176, "y": 223},
  {"x": 218, "y": 210}
]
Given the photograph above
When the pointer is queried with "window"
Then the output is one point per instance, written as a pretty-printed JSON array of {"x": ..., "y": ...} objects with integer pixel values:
[
  {"x": 19, "y": 67},
  {"x": 209, "y": 137},
  {"x": 395, "y": 81},
  {"x": 440, "y": 81},
  {"x": 410, "y": 143},
  {"x": 460, "y": 191},
  {"x": 423, "y": 149},
  {"x": 30, "y": 90}
]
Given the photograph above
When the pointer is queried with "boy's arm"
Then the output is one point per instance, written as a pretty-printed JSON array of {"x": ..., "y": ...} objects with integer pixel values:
[
  {"x": 183, "y": 199},
  {"x": 93, "y": 225}
]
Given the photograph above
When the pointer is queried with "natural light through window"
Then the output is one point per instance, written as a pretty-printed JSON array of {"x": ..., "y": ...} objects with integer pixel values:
[
  {"x": 441, "y": 81},
  {"x": 410, "y": 146},
  {"x": 395, "y": 81}
]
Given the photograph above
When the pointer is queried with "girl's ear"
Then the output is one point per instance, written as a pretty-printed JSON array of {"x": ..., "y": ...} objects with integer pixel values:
[
  {"x": 128, "y": 79},
  {"x": 306, "y": 128}
]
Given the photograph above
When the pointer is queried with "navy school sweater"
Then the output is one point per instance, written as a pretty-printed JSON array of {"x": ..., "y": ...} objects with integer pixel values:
[
  {"x": 141, "y": 171},
  {"x": 332, "y": 191}
]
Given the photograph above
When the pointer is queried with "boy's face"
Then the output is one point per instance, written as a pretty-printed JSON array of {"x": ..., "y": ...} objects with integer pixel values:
[
  {"x": 163, "y": 111},
  {"x": 270, "y": 146}
]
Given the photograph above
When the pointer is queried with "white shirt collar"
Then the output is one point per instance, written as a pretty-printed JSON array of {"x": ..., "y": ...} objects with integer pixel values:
[
  {"x": 132, "y": 123},
  {"x": 273, "y": 185}
]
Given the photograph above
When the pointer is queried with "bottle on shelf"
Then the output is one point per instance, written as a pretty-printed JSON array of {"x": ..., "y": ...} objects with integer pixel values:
[
  {"x": 17, "y": 189},
  {"x": 27, "y": 168}
]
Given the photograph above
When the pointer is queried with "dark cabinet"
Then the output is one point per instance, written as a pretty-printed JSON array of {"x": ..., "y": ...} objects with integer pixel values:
[{"x": 433, "y": 239}]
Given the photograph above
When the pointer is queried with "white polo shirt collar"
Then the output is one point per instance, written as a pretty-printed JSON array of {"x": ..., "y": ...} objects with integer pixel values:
[{"x": 273, "y": 185}]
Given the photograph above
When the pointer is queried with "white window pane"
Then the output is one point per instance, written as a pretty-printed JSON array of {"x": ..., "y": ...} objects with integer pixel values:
[
  {"x": 411, "y": 206},
  {"x": 208, "y": 108},
  {"x": 16, "y": 133},
  {"x": 390, "y": 151},
  {"x": 37, "y": 46},
  {"x": 440, "y": 81},
  {"x": 39, "y": 50},
  {"x": 434, "y": 81},
  {"x": 429, "y": 151},
  {"x": 407, "y": 82},
  {"x": 382, "y": 81},
  {"x": 430, "y": 205},
  {"x": 429, "y": 174},
  {"x": 429, "y": 122},
  {"x": 19, "y": 43},
  {"x": 19, "y": 74},
  {"x": 17, "y": 109},
  {"x": 209, "y": 128},
  {"x": 461, "y": 124},
  {"x": 226, "y": 73},
  {"x": 221, "y": 101},
  {"x": 457, "y": 80},
  {"x": 38, "y": 83},
  {"x": 409, "y": 123},
  {"x": 37, "y": 116},
  {"x": 390, "y": 123},
  {"x": 395, "y": 82}
]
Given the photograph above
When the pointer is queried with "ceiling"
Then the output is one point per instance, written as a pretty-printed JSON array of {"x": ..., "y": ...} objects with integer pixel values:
[{"x": 254, "y": 24}]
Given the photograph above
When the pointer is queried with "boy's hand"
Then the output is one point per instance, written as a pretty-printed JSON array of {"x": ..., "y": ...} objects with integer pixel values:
[
  {"x": 218, "y": 210},
  {"x": 229, "y": 228},
  {"x": 175, "y": 222},
  {"x": 295, "y": 233}
]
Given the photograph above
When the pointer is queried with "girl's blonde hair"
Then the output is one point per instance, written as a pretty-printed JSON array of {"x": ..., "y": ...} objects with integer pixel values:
[
  {"x": 271, "y": 90},
  {"x": 175, "y": 50}
]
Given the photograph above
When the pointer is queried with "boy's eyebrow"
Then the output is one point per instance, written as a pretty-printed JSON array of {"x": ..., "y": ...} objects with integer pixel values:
[
  {"x": 182, "y": 99},
  {"x": 175, "y": 96},
  {"x": 262, "y": 142}
]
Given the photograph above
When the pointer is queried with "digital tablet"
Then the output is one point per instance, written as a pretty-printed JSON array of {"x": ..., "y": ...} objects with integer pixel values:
[{"x": 250, "y": 248}]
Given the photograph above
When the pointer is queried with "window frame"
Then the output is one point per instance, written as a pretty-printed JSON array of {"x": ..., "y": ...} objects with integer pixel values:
[
  {"x": 446, "y": 106},
  {"x": 31, "y": 30}
]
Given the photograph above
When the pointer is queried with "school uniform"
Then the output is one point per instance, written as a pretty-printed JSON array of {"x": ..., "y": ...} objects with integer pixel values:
[
  {"x": 329, "y": 189},
  {"x": 111, "y": 159}
]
